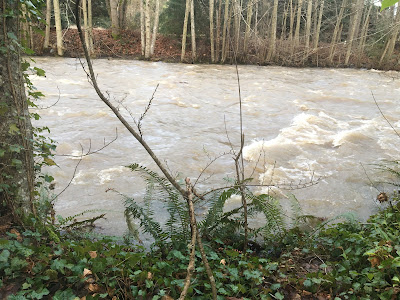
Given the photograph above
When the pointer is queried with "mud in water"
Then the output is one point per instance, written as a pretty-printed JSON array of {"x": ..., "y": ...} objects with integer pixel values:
[{"x": 299, "y": 125}]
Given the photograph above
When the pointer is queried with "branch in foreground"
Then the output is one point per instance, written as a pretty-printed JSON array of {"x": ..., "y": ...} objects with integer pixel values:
[{"x": 139, "y": 138}]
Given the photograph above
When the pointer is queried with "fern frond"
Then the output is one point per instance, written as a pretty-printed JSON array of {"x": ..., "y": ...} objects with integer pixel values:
[{"x": 147, "y": 222}]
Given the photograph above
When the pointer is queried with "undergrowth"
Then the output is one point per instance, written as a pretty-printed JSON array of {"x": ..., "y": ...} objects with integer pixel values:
[{"x": 347, "y": 260}]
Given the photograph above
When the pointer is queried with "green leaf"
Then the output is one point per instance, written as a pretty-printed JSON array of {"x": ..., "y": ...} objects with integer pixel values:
[
  {"x": 49, "y": 161},
  {"x": 387, "y": 3},
  {"x": 4, "y": 255},
  {"x": 12, "y": 36},
  {"x": 26, "y": 286},
  {"x": 40, "y": 72},
  {"x": 279, "y": 296},
  {"x": 13, "y": 129}
]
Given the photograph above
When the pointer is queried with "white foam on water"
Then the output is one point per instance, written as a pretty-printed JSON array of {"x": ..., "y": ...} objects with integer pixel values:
[{"x": 108, "y": 175}]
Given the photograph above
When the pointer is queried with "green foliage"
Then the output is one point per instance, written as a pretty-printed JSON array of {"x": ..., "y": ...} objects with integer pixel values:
[{"x": 387, "y": 3}]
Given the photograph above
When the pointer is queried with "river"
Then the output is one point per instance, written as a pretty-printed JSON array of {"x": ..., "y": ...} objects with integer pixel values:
[{"x": 299, "y": 125}]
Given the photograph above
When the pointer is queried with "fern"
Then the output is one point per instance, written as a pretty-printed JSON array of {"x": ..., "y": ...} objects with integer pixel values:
[{"x": 159, "y": 189}]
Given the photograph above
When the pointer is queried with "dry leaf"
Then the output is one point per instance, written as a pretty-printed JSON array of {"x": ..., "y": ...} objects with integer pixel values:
[
  {"x": 14, "y": 231},
  {"x": 93, "y": 254},
  {"x": 223, "y": 262},
  {"x": 86, "y": 272},
  {"x": 94, "y": 288},
  {"x": 374, "y": 261},
  {"x": 149, "y": 275}
]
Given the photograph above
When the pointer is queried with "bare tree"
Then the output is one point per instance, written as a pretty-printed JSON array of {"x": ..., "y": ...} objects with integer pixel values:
[
  {"x": 357, "y": 11},
  {"x": 48, "y": 25},
  {"x": 211, "y": 16},
  {"x": 114, "y": 18},
  {"x": 337, "y": 30},
  {"x": 272, "y": 38},
  {"x": 57, "y": 16}
]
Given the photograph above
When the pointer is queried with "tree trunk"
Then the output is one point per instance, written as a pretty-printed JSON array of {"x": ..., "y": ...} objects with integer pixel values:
[
  {"x": 225, "y": 29},
  {"x": 185, "y": 24},
  {"x": 48, "y": 24},
  {"x": 297, "y": 32},
  {"x": 90, "y": 27},
  {"x": 318, "y": 29},
  {"x": 291, "y": 20},
  {"x": 357, "y": 9},
  {"x": 148, "y": 28},
  {"x": 211, "y": 16},
  {"x": 57, "y": 16},
  {"x": 155, "y": 27},
  {"x": 115, "y": 30},
  {"x": 387, "y": 53},
  {"x": 237, "y": 17},
  {"x": 193, "y": 30},
  {"x": 218, "y": 39},
  {"x": 16, "y": 159},
  {"x": 272, "y": 39},
  {"x": 364, "y": 31},
  {"x": 248, "y": 25},
  {"x": 85, "y": 23},
  {"x": 336, "y": 30},
  {"x": 308, "y": 25},
  {"x": 142, "y": 30}
]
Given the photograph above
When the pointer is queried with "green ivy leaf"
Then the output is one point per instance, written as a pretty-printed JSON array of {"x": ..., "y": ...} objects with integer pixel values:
[
  {"x": 13, "y": 129},
  {"x": 4, "y": 255},
  {"x": 40, "y": 72}
]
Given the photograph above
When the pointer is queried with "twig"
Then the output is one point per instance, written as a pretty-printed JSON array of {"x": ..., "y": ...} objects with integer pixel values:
[
  {"x": 390, "y": 124},
  {"x": 192, "y": 245},
  {"x": 47, "y": 107},
  {"x": 139, "y": 124},
  {"x": 72, "y": 178},
  {"x": 90, "y": 146}
]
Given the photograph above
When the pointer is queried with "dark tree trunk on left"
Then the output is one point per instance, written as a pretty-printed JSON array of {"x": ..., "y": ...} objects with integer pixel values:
[{"x": 16, "y": 154}]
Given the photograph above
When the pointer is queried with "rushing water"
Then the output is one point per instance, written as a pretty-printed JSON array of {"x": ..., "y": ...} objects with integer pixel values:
[{"x": 299, "y": 124}]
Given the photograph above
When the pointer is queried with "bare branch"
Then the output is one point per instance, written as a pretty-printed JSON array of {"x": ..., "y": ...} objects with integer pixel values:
[
  {"x": 390, "y": 124},
  {"x": 89, "y": 152}
]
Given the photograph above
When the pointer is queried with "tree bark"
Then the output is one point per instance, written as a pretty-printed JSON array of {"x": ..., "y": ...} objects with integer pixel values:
[
  {"x": 357, "y": 9},
  {"x": 211, "y": 16},
  {"x": 155, "y": 27},
  {"x": 308, "y": 24},
  {"x": 57, "y": 16},
  {"x": 90, "y": 27},
  {"x": 297, "y": 32},
  {"x": 142, "y": 30},
  {"x": 193, "y": 30},
  {"x": 85, "y": 23},
  {"x": 387, "y": 53},
  {"x": 115, "y": 30},
  {"x": 336, "y": 30},
  {"x": 248, "y": 25},
  {"x": 148, "y": 28},
  {"x": 272, "y": 39},
  {"x": 16, "y": 166},
  {"x": 48, "y": 24},
  {"x": 184, "y": 34},
  {"x": 218, "y": 39},
  {"x": 318, "y": 29}
]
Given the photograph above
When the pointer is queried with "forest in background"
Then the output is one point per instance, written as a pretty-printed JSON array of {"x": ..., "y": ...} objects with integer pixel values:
[{"x": 324, "y": 33}]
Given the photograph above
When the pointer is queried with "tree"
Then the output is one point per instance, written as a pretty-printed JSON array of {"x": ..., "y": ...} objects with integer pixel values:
[
  {"x": 57, "y": 16},
  {"x": 16, "y": 154}
]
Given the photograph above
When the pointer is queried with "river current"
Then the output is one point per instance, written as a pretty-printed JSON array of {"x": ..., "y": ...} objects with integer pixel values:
[{"x": 299, "y": 124}]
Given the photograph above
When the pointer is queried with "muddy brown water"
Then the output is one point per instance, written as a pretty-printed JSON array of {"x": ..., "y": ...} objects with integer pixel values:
[{"x": 299, "y": 124}]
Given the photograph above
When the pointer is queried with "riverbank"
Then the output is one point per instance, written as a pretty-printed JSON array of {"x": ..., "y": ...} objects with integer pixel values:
[{"x": 168, "y": 49}]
